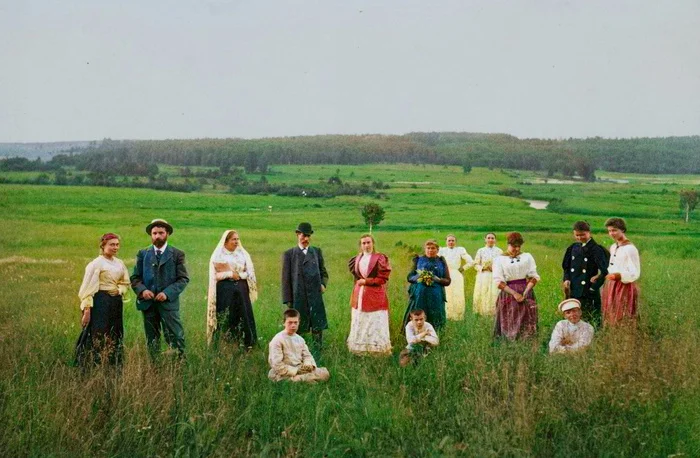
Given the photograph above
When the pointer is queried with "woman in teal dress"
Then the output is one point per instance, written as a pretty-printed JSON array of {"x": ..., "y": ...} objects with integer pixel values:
[{"x": 428, "y": 279}]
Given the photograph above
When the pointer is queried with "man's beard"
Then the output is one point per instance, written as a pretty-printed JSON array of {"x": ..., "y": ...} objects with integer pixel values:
[{"x": 159, "y": 242}]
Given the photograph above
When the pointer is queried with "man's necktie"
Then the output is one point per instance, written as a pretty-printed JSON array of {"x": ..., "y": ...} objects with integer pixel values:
[{"x": 158, "y": 253}]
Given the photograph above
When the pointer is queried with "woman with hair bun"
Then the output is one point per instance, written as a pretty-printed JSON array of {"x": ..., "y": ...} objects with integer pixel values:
[
  {"x": 515, "y": 274},
  {"x": 105, "y": 282},
  {"x": 620, "y": 292}
]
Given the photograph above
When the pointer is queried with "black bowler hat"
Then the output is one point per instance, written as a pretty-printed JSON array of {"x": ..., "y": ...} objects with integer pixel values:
[
  {"x": 159, "y": 223},
  {"x": 305, "y": 228}
]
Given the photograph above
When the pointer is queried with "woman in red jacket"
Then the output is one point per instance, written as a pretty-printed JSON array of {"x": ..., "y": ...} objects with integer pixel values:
[{"x": 369, "y": 329}]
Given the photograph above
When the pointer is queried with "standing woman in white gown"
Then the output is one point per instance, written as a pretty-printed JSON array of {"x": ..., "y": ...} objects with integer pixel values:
[
  {"x": 485, "y": 292},
  {"x": 369, "y": 328},
  {"x": 457, "y": 261}
]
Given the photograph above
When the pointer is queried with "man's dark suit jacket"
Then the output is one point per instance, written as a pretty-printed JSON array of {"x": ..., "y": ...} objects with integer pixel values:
[
  {"x": 168, "y": 276},
  {"x": 302, "y": 277}
]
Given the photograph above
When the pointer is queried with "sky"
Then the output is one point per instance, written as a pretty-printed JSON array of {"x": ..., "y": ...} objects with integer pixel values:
[{"x": 86, "y": 69}]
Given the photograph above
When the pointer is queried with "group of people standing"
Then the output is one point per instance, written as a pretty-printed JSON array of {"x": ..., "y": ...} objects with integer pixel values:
[{"x": 504, "y": 287}]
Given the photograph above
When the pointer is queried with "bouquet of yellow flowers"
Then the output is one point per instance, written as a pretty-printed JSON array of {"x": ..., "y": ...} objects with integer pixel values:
[
  {"x": 425, "y": 276},
  {"x": 487, "y": 265}
]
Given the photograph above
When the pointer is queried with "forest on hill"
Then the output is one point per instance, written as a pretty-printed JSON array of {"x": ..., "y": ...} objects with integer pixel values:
[{"x": 569, "y": 157}]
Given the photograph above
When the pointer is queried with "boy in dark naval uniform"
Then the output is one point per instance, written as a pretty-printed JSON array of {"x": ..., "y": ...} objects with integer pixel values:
[{"x": 585, "y": 266}]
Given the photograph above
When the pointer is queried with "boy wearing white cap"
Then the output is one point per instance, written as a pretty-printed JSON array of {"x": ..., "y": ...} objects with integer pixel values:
[{"x": 572, "y": 333}]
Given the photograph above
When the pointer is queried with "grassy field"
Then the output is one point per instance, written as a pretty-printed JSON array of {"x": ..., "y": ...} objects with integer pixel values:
[{"x": 634, "y": 393}]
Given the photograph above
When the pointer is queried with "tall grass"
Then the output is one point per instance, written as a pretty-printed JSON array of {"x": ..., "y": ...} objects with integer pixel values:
[{"x": 636, "y": 392}]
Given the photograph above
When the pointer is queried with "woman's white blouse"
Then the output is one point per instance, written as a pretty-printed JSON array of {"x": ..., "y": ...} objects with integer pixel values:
[
  {"x": 236, "y": 259},
  {"x": 486, "y": 255},
  {"x": 506, "y": 269},
  {"x": 455, "y": 256},
  {"x": 364, "y": 264},
  {"x": 624, "y": 260},
  {"x": 103, "y": 274}
]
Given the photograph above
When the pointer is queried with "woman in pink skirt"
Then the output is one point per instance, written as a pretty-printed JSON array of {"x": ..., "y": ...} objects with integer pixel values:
[
  {"x": 620, "y": 292},
  {"x": 515, "y": 274}
]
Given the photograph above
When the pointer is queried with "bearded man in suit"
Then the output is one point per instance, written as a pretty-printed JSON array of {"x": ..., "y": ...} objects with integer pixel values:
[{"x": 158, "y": 280}]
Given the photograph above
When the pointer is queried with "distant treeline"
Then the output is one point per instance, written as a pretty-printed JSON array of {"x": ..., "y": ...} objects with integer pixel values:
[
  {"x": 118, "y": 170},
  {"x": 568, "y": 157},
  {"x": 118, "y": 162},
  {"x": 42, "y": 150},
  {"x": 60, "y": 177}
]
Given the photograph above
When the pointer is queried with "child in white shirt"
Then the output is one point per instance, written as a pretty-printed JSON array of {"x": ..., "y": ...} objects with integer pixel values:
[
  {"x": 290, "y": 358},
  {"x": 572, "y": 333},
  {"x": 421, "y": 337}
]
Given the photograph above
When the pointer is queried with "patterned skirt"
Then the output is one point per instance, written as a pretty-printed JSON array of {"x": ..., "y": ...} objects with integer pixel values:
[
  {"x": 516, "y": 319},
  {"x": 619, "y": 302}
]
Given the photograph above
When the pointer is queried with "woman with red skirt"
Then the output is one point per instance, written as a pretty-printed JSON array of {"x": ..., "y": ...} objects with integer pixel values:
[
  {"x": 620, "y": 293},
  {"x": 515, "y": 274}
]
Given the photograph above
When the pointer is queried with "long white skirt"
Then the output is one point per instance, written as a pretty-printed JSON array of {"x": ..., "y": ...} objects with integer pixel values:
[
  {"x": 455, "y": 296},
  {"x": 369, "y": 332},
  {"x": 485, "y": 294}
]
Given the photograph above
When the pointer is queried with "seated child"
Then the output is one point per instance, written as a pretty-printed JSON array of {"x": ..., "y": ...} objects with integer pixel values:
[
  {"x": 421, "y": 337},
  {"x": 290, "y": 358},
  {"x": 572, "y": 333}
]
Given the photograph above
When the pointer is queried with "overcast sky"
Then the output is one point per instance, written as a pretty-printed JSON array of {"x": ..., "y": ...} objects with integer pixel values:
[{"x": 82, "y": 70}]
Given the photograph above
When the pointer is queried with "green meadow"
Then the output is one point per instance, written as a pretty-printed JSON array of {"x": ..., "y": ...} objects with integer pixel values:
[{"x": 635, "y": 392}]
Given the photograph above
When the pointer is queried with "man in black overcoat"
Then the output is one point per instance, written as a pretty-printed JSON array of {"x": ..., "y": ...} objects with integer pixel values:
[
  {"x": 585, "y": 266},
  {"x": 158, "y": 279},
  {"x": 304, "y": 279}
]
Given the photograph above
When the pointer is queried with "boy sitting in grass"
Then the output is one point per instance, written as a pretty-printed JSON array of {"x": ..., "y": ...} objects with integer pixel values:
[
  {"x": 290, "y": 358},
  {"x": 572, "y": 333},
  {"x": 421, "y": 337}
]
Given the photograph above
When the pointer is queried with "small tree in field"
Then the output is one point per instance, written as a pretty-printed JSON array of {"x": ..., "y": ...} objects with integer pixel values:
[
  {"x": 373, "y": 215},
  {"x": 688, "y": 202}
]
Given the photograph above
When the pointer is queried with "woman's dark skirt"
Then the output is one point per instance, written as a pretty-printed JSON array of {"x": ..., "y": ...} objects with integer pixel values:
[
  {"x": 103, "y": 338},
  {"x": 516, "y": 319},
  {"x": 234, "y": 312},
  {"x": 430, "y": 299}
]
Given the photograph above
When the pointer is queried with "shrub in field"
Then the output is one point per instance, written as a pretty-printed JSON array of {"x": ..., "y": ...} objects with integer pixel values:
[
  {"x": 688, "y": 201},
  {"x": 510, "y": 192},
  {"x": 373, "y": 215}
]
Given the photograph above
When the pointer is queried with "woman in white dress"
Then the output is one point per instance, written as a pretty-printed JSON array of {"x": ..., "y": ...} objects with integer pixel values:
[
  {"x": 485, "y": 291},
  {"x": 457, "y": 261},
  {"x": 369, "y": 328},
  {"x": 232, "y": 291}
]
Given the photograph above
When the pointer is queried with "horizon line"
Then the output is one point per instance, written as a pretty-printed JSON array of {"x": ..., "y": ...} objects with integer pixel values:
[{"x": 341, "y": 135}]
